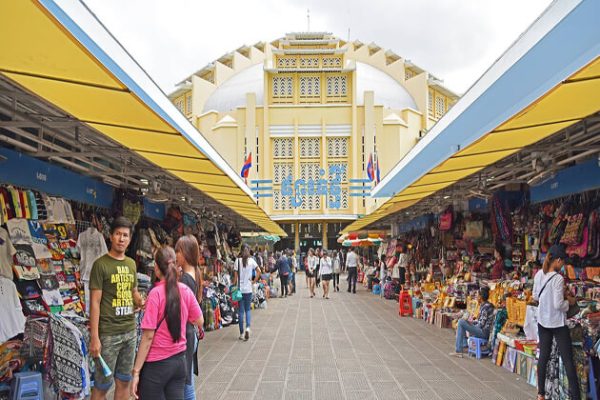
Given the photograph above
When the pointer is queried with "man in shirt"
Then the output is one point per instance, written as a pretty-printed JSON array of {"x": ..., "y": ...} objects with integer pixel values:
[
  {"x": 283, "y": 267},
  {"x": 479, "y": 329},
  {"x": 352, "y": 266},
  {"x": 114, "y": 297}
]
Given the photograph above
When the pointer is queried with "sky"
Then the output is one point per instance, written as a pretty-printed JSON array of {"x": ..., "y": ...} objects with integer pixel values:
[{"x": 455, "y": 40}]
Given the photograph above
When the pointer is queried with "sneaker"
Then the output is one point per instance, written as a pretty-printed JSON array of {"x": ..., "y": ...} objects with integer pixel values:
[
  {"x": 247, "y": 334},
  {"x": 241, "y": 336},
  {"x": 457, "y": 355}
]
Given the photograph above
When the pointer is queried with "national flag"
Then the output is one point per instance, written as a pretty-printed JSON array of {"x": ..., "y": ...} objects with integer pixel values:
[
  {"x": 247, "y": 166},
  {"x": 377, "y": 175},
  {"x": 370, "y": 172}
]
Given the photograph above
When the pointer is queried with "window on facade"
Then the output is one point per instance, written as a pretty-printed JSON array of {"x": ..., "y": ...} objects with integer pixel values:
[
  {"x": 309, "y": 62},
  {"x": 430, "y": 103},
  {"x": 337, "y": 86},
  {"x": 440, "y": 106},
  {"x": 281, "y": 202},
  {"x": 282, "y": 87},
  {"x": 337, "y": 147},
  {"x": 332, "y": 62},
  {"x": 310, "y": 171},
  {"x": 343, "y": 200},
  {"x": 343, "y": 166},
  {"x": 286, "y": 62},
  {"x": 188, "y": 104},
  {"x": 179, "y": 104},
  {"x": 282, "y": 171},
  {"x": 283, "y": 147},
  {"x": 310, "y": 147},
  {"x": 310, "y": 88},
  {"x": 310, "y": 202}
]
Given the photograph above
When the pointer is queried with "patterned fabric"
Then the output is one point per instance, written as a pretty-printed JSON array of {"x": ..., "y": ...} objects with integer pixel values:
[
  {"x": 486, "y": 318},
  {"x": 67, "y": 357}
]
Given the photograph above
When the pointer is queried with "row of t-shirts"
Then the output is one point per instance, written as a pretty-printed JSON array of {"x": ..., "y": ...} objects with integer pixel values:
[
  {"x": 32, "y": 205},
  {"x": 59, "y": 210},
  {"x": 15, "y": 203}
]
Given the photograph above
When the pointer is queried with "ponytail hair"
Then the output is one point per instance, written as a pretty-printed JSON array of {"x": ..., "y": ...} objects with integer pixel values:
[
  {"x": 547, "y": 262},
  {"x": 165, "y": 260}
]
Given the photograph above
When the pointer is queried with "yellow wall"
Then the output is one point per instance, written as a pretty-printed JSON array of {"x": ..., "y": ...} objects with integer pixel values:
[{"x": 395, "y": 131}]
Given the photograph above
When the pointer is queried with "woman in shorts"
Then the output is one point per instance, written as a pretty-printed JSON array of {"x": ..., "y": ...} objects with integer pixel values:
[
  {"x": 325, "y": 272},
  {"x": 311, "y": 268}
]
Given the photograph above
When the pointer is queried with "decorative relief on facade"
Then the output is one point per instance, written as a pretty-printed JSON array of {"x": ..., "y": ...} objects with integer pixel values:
[{"x": 343, "y": 168}]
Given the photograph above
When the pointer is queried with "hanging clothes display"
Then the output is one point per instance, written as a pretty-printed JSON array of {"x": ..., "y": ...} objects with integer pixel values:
[
  {"x": 7, "y": 251},
  {"x": 12, "y": 320}
]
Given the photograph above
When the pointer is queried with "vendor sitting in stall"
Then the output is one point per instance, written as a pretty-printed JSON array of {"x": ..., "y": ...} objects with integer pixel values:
[{"x": 479, "y": 329}]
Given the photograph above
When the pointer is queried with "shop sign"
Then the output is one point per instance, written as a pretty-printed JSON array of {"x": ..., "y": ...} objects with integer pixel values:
[
  {"x": 298, "y": 188},
  {"x": 28, "y": 172}
]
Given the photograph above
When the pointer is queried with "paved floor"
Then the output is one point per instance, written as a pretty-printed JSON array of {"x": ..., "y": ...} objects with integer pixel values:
[{"x": 347, "y": 347}]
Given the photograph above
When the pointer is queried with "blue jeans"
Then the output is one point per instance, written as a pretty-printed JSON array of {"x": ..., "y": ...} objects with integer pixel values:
[
  {"x": 461, "y": 333},
  {"x": 189, "y": 392},
  {"x": 245, "y": 309}
]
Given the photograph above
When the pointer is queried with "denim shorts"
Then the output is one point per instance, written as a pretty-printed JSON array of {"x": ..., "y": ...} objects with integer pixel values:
[{"x": 118, "y": 351}]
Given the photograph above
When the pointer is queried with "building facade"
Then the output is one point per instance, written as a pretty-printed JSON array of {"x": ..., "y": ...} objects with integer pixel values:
[{"x": 320, "y": 118}]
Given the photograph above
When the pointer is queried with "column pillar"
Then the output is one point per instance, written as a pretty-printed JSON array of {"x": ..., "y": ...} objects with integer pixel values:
[{"x": 296, "y": 235}]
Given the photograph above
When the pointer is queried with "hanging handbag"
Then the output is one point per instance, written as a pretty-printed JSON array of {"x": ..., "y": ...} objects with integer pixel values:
[
  {"x": 580, "y": 249},
  {"x": 446, "y": 221},
  {"x": 573, "y": 233}
]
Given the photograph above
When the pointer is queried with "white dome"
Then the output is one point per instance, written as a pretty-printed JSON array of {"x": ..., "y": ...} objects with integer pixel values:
[{"x": 232, "y": 93}]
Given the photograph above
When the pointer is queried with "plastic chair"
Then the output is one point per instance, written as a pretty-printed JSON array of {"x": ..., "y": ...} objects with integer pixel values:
[
  {"x": 405, "y": 308},
  {"x": 27, "y": 386},
  {"x": 476, "y": 345}
]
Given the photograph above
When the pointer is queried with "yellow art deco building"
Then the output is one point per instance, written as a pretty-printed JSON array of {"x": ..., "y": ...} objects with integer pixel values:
[{"x": 315, "y": 112}]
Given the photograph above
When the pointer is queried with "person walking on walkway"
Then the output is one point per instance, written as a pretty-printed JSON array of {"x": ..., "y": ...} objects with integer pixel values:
[
  {"x": 352, "y": 266},
  {"x": 283, "y": 268},
  {"x": 326, "y": 271},
  {"x": 187, "y": 254},
  {"x": 311, "y": 270},
  {"x": 554, "y": 302},
  {"x": 245, "y": 268},
  {"x": 114, "y": 296},
  {"x": 160, "y": 365},
  {"x": 319, "y": 254},
  {"x": 337, "y": 269}
]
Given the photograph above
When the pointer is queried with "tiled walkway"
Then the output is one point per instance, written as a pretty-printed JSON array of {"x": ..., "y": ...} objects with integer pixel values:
[{"x": 347, "y": 347}]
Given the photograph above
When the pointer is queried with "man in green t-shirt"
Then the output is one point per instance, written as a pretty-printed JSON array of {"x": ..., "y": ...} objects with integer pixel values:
[{"x": 114, "y": 298}]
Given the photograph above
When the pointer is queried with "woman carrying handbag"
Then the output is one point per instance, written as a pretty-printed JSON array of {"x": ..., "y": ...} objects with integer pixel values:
[{"x": 553, "y": 304}]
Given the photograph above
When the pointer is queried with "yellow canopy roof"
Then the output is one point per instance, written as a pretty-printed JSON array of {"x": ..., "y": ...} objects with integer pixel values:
[
  {"x": 548, "y": 80},
  {"x": 81, "y": 69},
  {"x": 568, "y": 103}
]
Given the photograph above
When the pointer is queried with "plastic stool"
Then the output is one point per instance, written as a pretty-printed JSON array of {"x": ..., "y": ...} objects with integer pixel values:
[
  {"x": 27, "y": 386},
  {"x": 475, "y": 347},
  {"x": 376, "y": 289},
  {"x": 405, "y": 302}
]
